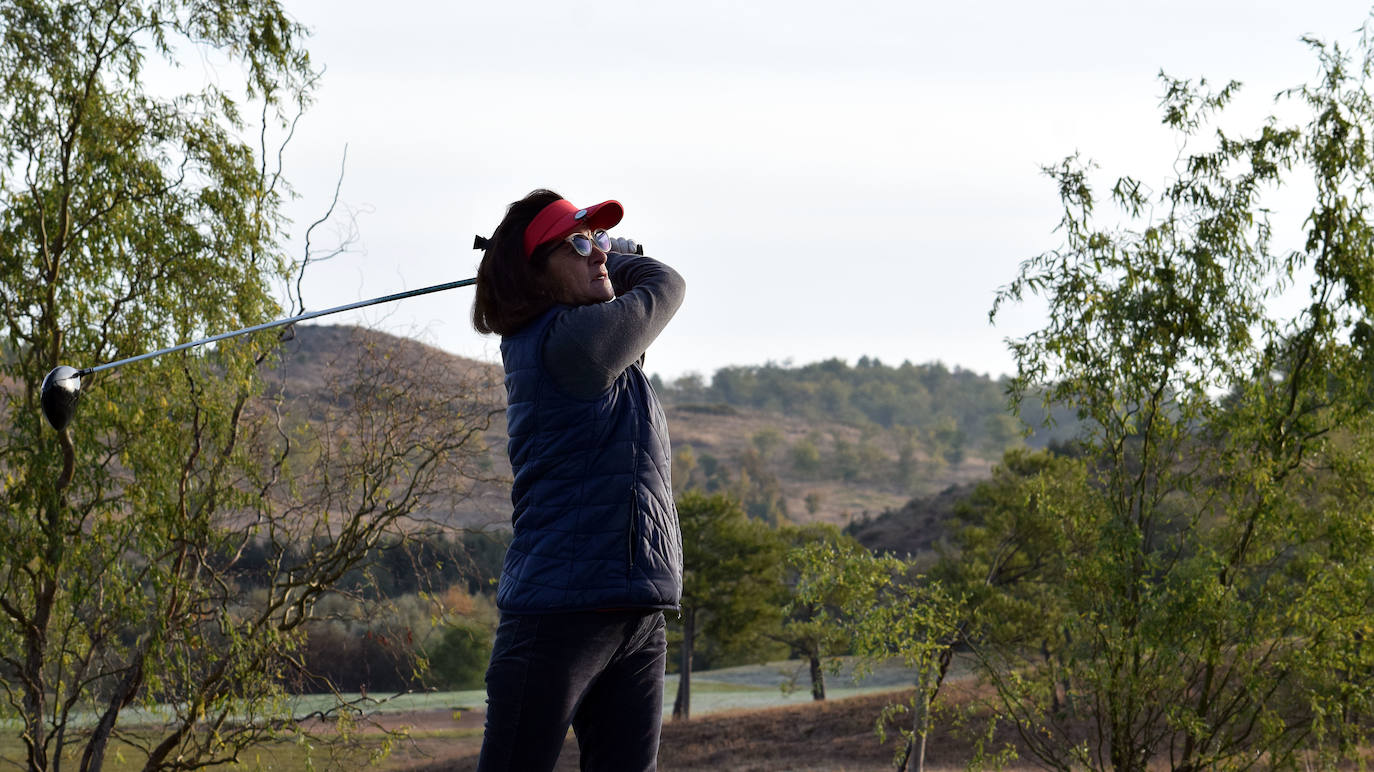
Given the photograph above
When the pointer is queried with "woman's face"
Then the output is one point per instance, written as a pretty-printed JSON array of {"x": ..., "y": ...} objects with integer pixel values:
[{"x": 576, "y": 280}]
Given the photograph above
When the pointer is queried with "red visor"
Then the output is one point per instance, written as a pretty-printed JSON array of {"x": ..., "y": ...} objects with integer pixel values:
[{"x": 562, "y": 217}]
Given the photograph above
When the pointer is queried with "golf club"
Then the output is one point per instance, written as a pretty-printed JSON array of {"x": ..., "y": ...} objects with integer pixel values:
[{"x": 62, "y": 386}]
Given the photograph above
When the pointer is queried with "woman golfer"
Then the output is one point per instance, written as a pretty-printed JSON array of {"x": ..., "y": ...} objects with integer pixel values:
[{"x": 597, "y": 555}]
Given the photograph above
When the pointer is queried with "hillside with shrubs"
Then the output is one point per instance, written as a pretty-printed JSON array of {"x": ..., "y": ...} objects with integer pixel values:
[
  {"x": 827, "y": 442},
  {"x": 835, "y": 442}
]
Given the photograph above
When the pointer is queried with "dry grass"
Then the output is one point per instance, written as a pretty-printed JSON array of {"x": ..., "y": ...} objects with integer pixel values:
[{"x": 830, "y": 736}]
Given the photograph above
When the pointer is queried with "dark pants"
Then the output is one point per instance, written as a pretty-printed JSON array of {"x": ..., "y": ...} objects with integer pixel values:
[{"x": 599, "y": 672}]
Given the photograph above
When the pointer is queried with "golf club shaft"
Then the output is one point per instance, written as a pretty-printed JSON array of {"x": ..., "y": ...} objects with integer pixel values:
[{"x": 278, "y": 323}]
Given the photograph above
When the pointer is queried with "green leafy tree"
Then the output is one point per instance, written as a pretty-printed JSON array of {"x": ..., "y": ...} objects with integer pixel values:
[
  {"x": 948, "y": 440},
  {"x": 767, "y": 440},
  {"x": 684, "y": 464},
  {"x": 1220, "y": 613},
  {"x": 845, "y": 460},
  {"x": 758, "y": 488},
  {"x": 459, "y": 653},
  {"x": 906, "y": 474},
  {"x": 459, "y": 659},
  {"x": 809, "y": 628},
  {"x": 1008, "y": 558},
  {"x": 732, "y": 584},
  {"x": 806, "y": 457},
  {"x": 132, "y": 218},
  {"x": 887, "y": 610}
]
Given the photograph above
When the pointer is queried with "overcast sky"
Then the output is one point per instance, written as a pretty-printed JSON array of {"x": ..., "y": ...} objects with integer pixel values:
[{"x": 832, "y": 179}]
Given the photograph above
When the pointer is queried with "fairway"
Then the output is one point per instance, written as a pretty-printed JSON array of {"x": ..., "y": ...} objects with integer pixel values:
[
  {"x": 435, "y": 721},
  {"x": 713, "y": 691}
]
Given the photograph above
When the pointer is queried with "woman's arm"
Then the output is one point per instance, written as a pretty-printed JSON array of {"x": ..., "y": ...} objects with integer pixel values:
[{"x": 588, "y": 347}]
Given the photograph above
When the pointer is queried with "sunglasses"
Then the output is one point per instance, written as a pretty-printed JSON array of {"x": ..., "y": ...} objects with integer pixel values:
[{"x": 582, "y": 244}]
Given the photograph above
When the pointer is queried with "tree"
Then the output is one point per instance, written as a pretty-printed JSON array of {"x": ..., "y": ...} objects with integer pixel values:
[
  {"x": 758, "y": 487},
  {"x": 806, "y": 457},
  {"x": 1009, "y": 557},
  {"x": 887, "y": 610},
  {"x": 131, "y": 219},
  {"x": 459, "y": 660},
  {"x": 809, "y": 627},
  {"x": 731, "y": 584},
  {"x": 906, "y": 473},
  {"x": 1220, "y": 612},
  {"x": 684, "y": 464},
  {"x": 767, "y": 440}
]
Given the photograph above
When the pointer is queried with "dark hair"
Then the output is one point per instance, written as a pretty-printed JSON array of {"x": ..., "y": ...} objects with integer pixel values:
[{"x": 510, "y": 288}]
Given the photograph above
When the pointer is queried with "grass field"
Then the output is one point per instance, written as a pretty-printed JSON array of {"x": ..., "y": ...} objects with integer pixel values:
[
  {"x": 438, "y": 721},
  {"x": 736, "y": 688}
]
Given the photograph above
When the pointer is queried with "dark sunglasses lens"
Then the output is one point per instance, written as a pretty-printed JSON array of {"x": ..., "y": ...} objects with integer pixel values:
[
  {"x": 581, "y": 245},
  {"x": 603, "y": 240}
]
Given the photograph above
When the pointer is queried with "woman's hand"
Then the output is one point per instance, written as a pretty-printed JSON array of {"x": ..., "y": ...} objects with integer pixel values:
[{"x": 625, "y": 246}]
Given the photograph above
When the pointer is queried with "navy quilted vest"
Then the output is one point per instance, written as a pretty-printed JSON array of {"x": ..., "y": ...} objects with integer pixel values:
[{"x": 594, "y": 518}]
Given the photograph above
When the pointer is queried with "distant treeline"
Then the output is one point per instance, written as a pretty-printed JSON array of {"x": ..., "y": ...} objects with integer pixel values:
[{"x": 951, "y": 407}]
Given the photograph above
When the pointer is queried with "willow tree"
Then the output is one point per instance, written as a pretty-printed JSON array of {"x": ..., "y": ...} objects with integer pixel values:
[
  {"x": 889, "y": 612},
  {"x": 133, "y": 216},
  {"x": 1219, "y": 618}
]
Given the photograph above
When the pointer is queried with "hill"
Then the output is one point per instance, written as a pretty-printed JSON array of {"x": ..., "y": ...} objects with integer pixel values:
[
  {"x": 915, "y": 527},
  {"x": 804, "y": 470},
  {"x": 835, "y": 442},
  {"x": 321, "y": 369},
  {"x": 788, "y": 461}
]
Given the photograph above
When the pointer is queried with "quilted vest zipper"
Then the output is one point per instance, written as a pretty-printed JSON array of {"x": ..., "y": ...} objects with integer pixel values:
[{"x": 636, "y": 431}]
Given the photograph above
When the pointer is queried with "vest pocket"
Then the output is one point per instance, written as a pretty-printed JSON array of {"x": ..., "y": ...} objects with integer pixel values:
[{"x": 633, "y": 532}]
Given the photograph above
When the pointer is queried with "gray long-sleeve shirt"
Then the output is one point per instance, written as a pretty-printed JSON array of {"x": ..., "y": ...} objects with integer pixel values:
[{"x": 587, "y": 347}]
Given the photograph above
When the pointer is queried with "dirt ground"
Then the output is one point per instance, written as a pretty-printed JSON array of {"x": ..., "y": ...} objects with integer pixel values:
[{"x": 831, "y": 736}]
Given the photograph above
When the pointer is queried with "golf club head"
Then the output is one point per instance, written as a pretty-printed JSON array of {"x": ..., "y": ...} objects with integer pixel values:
[{"x": 61, "y": 388}]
